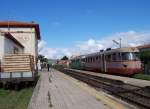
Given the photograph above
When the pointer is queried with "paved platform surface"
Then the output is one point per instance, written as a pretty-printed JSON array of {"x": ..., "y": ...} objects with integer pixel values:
[
  {"x": 56, "y": 90},
  {"x": 132, "y": 81}
]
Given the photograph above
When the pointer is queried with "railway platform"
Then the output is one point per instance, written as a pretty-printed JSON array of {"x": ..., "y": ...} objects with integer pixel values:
[
  {"x": 56, "y": 90},
  {"x": 127, "y": 80}
]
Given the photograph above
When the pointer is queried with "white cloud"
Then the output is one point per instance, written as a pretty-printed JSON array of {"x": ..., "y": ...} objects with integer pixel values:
[
  {"x": 129, "y": 38},
  {"x": 41, "y": 45},
  {"x": 53, "y": 53}
]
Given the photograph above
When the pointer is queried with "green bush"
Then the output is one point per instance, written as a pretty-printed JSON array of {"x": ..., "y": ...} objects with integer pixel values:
[
  {"x": 145, "y": 58},
  {"x": 58, "y": 67},
  {"x": 142, "y": 76}
]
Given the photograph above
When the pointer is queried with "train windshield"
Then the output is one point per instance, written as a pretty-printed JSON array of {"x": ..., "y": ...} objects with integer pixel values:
[{"x": 130, "y": 56}]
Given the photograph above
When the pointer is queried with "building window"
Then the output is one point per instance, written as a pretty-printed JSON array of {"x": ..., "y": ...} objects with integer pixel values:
[{"x": 16, "y": 50}]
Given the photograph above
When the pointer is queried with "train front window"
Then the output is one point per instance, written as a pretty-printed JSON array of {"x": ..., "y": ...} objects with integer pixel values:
[
  {"x": 130, "y": 56},
  {"x": 136, "y": 56}
]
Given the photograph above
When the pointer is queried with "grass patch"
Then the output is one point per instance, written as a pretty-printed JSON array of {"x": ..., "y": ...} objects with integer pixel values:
[
  {"x": 10, "y": 99},
  {"x": 141, "y": 76}
]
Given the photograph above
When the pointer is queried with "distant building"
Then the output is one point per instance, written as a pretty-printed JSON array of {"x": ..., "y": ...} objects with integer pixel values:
[
  {"x": 64, "y": 63},
  {"x": 19, "y": 37}
]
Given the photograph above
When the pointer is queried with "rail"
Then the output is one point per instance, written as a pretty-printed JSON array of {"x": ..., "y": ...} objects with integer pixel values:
[{"x": 133, "y": 94}]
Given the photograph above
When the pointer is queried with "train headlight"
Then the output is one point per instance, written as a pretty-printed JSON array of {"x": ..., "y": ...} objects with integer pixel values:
[{"x": 124, "y": 65}]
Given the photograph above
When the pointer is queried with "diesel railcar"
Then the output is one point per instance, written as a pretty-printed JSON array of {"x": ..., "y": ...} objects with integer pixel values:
[{"x": 122, "y": 61}]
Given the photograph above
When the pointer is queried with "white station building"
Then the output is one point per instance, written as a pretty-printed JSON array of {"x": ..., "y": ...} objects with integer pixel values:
[{"x": 19, "y": 37}]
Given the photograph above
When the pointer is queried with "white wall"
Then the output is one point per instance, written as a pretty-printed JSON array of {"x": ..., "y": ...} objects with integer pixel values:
[
  {"x": 27, "y": 38},
  {"x": 9, "y": 46},
  {"x": 1, "y": 46}
]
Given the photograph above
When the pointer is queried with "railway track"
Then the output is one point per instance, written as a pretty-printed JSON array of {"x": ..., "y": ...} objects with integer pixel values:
[{"x": 133, "y": 94}]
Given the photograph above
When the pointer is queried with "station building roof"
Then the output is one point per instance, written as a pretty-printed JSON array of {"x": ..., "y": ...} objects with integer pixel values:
[
  {"x": 22, "y": 25},
  {"x": 9, "y": 36}
]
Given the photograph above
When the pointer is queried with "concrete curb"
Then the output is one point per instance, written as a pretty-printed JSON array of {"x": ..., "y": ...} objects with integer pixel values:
[{"x": 34, "y": 95}]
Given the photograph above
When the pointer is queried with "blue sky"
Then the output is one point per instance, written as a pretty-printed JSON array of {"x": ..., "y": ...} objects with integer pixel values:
[{"x": 65, "y": 22}]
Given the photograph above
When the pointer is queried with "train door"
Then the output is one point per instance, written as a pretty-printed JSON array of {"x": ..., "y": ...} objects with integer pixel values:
[{"x": 104, "y": 63}]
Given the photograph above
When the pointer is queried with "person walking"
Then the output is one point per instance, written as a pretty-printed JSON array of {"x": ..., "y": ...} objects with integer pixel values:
[{"x": 48, "y": 66}]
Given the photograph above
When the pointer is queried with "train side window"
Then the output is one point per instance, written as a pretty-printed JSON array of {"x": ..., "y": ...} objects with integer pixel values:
[
  {"x": 108, "y": 57},
  {"x": 93, "y": 59},
  {"x": 114, "y": 57},
  {"x": 96, "y": 58},
  {"x": 83, "y": 60},
  {"x": 100, "y": 58},
  {"x": 119, "y": 56}
]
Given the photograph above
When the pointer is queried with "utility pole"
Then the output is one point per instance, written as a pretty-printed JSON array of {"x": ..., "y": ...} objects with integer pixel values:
[{"x": 118, "y": 43}]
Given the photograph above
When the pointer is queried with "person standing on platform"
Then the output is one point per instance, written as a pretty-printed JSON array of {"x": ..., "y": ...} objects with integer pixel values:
[{"x": 48, "y": 66}]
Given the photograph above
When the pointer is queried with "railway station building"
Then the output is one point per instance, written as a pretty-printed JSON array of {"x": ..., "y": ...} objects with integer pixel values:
[{"x": 19, "y": 37}]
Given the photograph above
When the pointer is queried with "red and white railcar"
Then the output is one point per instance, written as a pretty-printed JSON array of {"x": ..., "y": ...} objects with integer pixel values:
[{"x": 123, "y": 61}]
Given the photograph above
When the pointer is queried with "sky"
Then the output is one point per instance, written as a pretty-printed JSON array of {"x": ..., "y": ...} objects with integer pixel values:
[{"x": 74, "y": 27}]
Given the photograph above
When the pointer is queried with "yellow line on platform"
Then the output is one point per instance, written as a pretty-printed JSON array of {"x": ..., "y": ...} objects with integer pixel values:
[{"x": 98, "y": 95}]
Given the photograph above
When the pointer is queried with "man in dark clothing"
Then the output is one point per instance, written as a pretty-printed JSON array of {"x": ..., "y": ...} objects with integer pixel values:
[{"x": 48, "y": 66}]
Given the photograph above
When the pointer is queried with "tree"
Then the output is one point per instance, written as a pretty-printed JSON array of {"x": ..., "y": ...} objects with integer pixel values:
[
  {"x": 65, "y": 58},
  {"x": 42, "y": 59},
  {"x": 145, "y": 58},
  {"x": 45, "y": 60}
]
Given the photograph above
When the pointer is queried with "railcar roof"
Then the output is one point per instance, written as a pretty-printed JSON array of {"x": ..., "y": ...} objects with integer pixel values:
[{"x": 124, "y": 49}]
